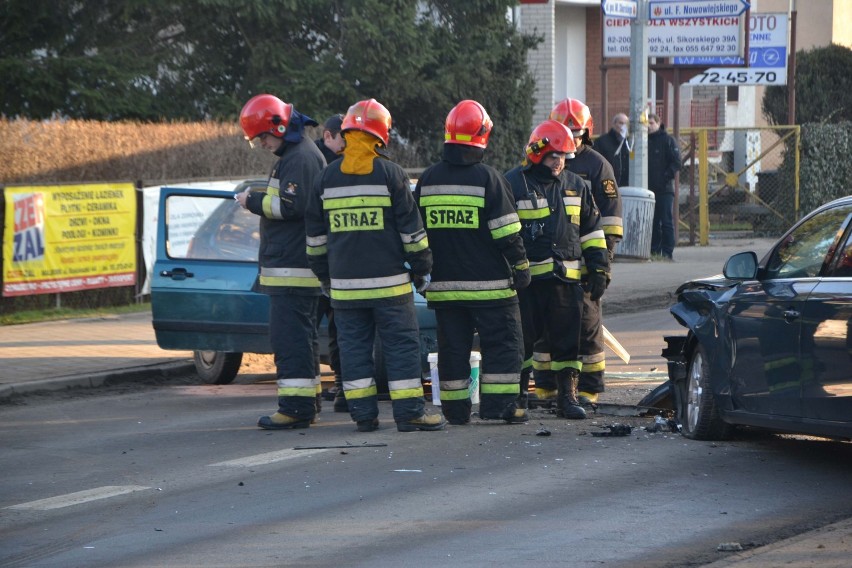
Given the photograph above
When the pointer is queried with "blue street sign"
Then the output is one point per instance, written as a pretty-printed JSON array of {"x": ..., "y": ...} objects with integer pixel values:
[{"x": 620, "y": 8}]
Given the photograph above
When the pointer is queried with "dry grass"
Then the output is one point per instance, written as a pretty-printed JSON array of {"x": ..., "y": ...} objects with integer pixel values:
[{"x": 74, "y": 151}]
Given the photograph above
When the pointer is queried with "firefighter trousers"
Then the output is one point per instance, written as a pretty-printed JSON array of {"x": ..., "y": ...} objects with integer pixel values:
[
  {"x": 501, "y": 346},
  {"x": 400, "y": 339},
  {"x": 293, "y": 335},
  {"x": 553, "y": 309}
]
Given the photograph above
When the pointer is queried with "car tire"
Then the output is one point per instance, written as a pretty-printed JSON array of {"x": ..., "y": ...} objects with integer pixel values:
[
  {"x": 217, "y": 367},
  {"x": 699, "y": 415}
]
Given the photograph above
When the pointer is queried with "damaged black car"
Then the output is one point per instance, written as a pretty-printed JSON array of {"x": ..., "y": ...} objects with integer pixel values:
[{"x": 769, "y": 343}]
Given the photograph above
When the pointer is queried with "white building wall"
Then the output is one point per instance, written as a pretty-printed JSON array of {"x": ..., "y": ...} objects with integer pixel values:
[
  {"x": 539, "y": 20},
  {"x": 570, "y": 54}
]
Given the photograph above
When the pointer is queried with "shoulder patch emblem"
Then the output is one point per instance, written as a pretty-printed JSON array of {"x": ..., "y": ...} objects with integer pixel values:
[
  {"x": 609, "y": 189},
  {"x": 291, "y": 188}
]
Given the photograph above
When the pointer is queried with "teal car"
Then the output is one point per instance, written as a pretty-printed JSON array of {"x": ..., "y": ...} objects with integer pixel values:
[{"x": 201, "y": 289}]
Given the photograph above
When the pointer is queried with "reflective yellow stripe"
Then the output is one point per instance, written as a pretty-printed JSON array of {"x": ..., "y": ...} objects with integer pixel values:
[
  {"x": 405, "y": 393},
  {"x": 500, "y": 388},
  {"x": 436, "y": 200},
  {"x": 309, "y": 392},
  {"x": 452, "y": 217},
  {"x": 613, "y": 230},
  {"x": 594, "y": 367},
  {"x": 539, "y": 269},
  {"x": 295, "y": 277},
  {"x": 316, "y": 251},
  {"x": 457, "y": 295},
  {"x": 506, "y": 230},
  {"x": 355, "y": 202},
  {"x": 594, "y": 243},
  {"x": 370, "y": 293},
  {"x": 361, "y": 393},
  {"x": 527, "y": 214},
  {"x": 416, "y": 247},
  {"x": 559, "y": 365},
  {"x": 461, "y": 394}
]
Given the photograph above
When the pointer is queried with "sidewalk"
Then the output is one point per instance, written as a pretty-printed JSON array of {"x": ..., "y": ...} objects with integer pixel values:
[{"x": 89, "y": 352}]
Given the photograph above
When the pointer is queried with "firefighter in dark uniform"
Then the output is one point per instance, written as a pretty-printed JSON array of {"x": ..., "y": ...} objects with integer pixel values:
[
  {"x": 597, "y": 172},
  {"x": 479, "y": 263},
  {"x": 366, "y": 244},
  {"x": 561, "y": 226},
  {"x": 284, "y": 272}
]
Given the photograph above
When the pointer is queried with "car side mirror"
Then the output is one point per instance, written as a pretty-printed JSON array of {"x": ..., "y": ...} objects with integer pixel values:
[{"x": 741, "y": 266}]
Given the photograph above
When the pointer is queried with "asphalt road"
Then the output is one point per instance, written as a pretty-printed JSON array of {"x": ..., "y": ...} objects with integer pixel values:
[{"x": 178, "y": 475}]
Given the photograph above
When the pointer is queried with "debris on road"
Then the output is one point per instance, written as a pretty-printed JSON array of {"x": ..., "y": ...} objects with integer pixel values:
[{"x": 615, "y": 430}]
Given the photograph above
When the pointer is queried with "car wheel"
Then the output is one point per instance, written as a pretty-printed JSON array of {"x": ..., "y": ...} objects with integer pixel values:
[
  {"x": 700, "y": 418},
  {"x": 217, "y": 367}
]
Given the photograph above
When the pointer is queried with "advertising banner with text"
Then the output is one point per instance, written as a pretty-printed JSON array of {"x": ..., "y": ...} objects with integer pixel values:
[{"x": 68, "y": 238}]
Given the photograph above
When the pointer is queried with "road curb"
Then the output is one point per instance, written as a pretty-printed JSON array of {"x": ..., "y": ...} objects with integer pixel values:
[{"x": 169, "y": 369}]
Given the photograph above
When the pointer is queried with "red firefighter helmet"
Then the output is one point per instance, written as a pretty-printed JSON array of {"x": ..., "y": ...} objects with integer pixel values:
[
  {"x": 265, "y": 113},
  {"x": 550, "y": 136},
  {"x": 469, "y": 124},
  {"x": 575, "y": 115},
  {"x": 370, "y": 116}
]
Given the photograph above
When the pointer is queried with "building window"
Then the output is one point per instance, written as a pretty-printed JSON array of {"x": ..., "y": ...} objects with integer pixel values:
[{"x": 733, "y": 94}]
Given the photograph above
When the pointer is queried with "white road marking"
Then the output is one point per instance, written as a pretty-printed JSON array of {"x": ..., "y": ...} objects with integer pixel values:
[
  {"x": 262, "y": 459},
  {"x": 79, "y": 497}
]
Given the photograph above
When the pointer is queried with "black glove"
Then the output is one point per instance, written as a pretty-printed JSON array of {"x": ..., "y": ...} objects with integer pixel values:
[
  {"x": 596, "y": 285},
  {"x": 421, "y": 282},
  {"x": 520, "y": 278}
]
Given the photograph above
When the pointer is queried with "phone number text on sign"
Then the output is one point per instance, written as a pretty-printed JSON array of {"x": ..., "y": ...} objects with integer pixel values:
[{"x": 741, "y": 77}]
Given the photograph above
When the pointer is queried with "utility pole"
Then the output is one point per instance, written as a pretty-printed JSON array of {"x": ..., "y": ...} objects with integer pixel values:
[{"x": 639, "y": 96}]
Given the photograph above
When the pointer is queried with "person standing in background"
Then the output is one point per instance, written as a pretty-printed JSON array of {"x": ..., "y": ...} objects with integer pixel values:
[
  {"x": 331, "y": 144},
  {"x": 285, "y": 276},
  {"x": 615, "y": 146},
  {"x": 663, "y": 166}
]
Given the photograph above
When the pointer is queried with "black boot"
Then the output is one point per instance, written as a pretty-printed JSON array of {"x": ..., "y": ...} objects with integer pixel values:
[
  {"x": 339, "y": 398},
  {"x": 567, "y": 405}
]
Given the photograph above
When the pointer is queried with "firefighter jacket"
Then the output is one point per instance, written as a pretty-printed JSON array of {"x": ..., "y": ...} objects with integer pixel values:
[
  {"x": 473, "y": 230},
  {"x": 560, "y": 223},
  {"x": 283, "y": 263},
  {"x": 599, "y": 177},
  {"x": 365, "y": 236}
]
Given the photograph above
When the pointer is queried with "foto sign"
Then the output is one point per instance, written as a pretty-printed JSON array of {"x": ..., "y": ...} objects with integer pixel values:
[{"x": 767, "y": 56}]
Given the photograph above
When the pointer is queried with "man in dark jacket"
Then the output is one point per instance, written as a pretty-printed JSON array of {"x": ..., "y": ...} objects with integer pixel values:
[
  {"x": 331, "y": 143},
  {"x": 663, "y": 166},
  {"x": 615, "y": 147},
  {"x": 284, "y": 272}
]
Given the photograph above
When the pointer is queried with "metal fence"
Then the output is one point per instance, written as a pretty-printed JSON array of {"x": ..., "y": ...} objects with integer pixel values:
[{"x": 732, "y": 181}]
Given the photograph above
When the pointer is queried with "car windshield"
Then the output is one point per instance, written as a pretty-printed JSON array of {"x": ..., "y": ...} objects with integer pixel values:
[{"x": 804, "y": 252}]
